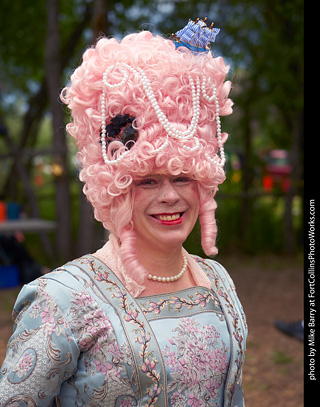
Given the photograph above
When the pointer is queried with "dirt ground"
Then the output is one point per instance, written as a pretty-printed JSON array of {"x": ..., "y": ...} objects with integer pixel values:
[{"x": 269, "y": 288}]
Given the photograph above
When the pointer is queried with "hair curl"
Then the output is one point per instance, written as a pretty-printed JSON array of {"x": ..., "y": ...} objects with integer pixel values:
[{"x": 109, "y": 187}]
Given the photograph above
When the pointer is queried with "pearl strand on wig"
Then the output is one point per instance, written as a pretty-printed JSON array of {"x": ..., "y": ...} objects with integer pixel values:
[
  {"x": 103, "y": 114},
  {"x": 163, "y": 120},
  {"x": 218, "y": 123},
  {"x": 170, "y": 129}
]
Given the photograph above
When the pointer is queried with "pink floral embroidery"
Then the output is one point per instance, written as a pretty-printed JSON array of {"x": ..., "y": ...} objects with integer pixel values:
[
  {"x": 149, "y": 364},
  {"x": 25, "y": 364},
  {"x": 49, "y": 312},
  {"x": 199, "y": 364},
  {"x": 195, "y": 402},
  {"x": 178, "y": 400},
  {"x": 127, "y": 403},
  {"x": 46, "y": 316},
  {"x": 177, "y": 303},
  {"x": 232, "y": 311},
  {"x": 131, "y": 315}
]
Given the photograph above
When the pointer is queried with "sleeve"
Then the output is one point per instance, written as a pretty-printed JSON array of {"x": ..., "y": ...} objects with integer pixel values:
[{"x": 42, "y": 352}]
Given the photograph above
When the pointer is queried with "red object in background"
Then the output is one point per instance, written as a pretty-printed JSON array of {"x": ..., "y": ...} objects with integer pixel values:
[
  {"x": 267, "y": 183},
  {"x": 3, "y": 211},
  {"x": 277, "y": 171}
]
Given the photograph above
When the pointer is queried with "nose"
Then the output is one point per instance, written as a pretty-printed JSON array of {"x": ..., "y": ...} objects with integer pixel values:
[{"x": 167, "y": 193}]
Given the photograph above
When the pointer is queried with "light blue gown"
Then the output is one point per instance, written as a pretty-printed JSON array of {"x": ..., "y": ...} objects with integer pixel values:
[{"x": 81, "y": 339}]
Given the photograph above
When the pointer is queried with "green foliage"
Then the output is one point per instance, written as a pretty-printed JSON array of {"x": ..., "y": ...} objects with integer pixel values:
[
  {"x": 23, "y": 30},
  {"x": 261, "y": 39},
  {"x": 265, "y": 229}
]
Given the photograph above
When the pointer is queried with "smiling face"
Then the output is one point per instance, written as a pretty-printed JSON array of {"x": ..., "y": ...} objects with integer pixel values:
[{"x": 165, "y": 211}]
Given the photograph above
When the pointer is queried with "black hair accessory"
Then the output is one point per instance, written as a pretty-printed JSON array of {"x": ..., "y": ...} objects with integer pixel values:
[{"x": 120, "y": 129}]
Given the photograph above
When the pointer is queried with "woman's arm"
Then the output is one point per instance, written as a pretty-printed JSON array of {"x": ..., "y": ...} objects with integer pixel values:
[{"x": 42, "y": 351}]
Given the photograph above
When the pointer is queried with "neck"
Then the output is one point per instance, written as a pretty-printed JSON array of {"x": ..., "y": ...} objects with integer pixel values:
[{"x": 160, "y": 262}]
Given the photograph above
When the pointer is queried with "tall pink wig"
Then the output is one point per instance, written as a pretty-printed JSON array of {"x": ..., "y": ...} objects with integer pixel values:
[{"x": 108, "y": 186}]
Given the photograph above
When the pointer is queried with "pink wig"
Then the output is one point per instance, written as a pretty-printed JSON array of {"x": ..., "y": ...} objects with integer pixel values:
[{"x": 109, "y": 187}]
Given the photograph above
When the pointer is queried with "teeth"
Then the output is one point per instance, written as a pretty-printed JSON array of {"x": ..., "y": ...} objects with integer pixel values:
[{"x": 168, "y": 217}]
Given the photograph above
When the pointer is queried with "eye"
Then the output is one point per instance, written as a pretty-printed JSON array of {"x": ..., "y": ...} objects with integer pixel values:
[
  {"x": 182, "y": 180},
  {"x": 147, "y": 182}
]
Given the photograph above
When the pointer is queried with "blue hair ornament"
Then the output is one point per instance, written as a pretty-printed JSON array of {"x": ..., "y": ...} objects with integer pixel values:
[{"x": 196, "y": 36}]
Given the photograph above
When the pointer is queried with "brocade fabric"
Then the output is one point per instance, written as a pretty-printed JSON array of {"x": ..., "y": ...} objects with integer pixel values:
[{"x": 81, "y": 339}]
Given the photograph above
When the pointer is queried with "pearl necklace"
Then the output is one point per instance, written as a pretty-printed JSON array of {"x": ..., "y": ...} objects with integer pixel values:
[
  {"x": 172, "y": 278},
  {"x": 171, "y": 131}
]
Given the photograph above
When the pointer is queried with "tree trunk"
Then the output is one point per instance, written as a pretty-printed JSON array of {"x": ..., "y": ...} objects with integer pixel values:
[
  {"x": 28, "y": 190},
  {"x": 62, "y": 184},
  {"x": 86, "y": 242},
  {"x": 38, "y": 102},
  {"x": 99, "y": 19},
  {"x": 30, "y": 123}
]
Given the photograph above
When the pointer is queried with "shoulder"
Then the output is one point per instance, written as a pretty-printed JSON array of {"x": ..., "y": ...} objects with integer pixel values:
[
  {"x": 56, "y": 289},
  {"x": 47, "y": 336},
  {"x": 221, "y": 280},
  {"x": 214, "y": 270},
  {"x": 65, "y": 298},
  {"x": 222, "y": 272}
]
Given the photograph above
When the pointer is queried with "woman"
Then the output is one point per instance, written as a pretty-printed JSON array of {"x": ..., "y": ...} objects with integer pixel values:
[{"x": 140, "y": 322}]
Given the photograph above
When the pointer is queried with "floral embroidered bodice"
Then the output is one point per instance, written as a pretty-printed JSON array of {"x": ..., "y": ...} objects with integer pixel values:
[
  {"x": 81, "y": 340},
  {"x": 194, "y": 340}
]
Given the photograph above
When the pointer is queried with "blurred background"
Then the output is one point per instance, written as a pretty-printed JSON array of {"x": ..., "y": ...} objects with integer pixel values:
[{"x": 44, "y": 217}]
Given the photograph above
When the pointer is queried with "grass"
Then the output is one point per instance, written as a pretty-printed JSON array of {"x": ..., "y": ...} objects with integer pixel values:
[{"x": 279, "y": 357}]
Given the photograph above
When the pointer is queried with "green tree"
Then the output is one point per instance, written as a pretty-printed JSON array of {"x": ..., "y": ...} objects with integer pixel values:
[{"x": 262, "y": 40}]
